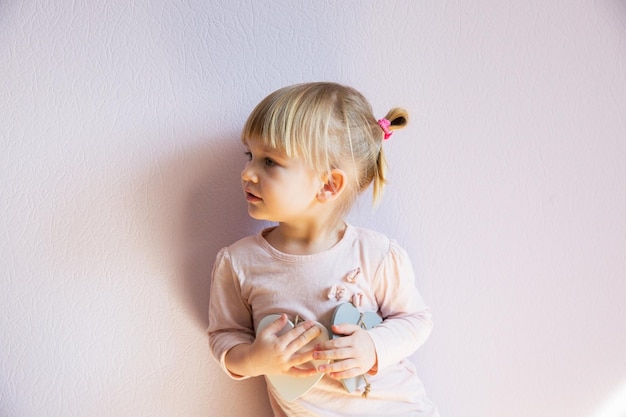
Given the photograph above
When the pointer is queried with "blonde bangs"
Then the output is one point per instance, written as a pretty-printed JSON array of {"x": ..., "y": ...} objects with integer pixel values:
[{"x": 294, "y": 122}]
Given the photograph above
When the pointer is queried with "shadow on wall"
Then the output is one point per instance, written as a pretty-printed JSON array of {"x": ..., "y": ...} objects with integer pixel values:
[
  {"x": 198, "y": 204},
  {"x": 213, "y": 215},
  {"x": 193, "y": 204}
]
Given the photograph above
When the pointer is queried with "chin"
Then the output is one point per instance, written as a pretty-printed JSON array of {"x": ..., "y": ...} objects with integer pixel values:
[{"x": 257, "y": 216}]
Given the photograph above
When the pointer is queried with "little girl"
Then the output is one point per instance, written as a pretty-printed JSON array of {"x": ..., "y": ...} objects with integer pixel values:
[{"x": 311, "y": 150}]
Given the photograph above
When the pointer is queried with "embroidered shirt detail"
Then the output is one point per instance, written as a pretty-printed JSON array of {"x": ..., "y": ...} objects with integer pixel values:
[
  {"x": 353, "y": 275},
  {"x": 356, "y": 299},
  {"x": 348, "y": 292},
  {"x": 337, "y": 292}
]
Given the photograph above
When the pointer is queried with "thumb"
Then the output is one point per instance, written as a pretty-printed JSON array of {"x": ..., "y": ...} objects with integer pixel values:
[{"x": 345, "y": 329}]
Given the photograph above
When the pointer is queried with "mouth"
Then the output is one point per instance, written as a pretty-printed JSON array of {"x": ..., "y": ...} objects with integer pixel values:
[{"x": 251, "y": 198}]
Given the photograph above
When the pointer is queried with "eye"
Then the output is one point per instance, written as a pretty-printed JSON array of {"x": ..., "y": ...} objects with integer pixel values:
[
  {"x": 269, "y": 162},
  {"x": 248, "y": 155}
]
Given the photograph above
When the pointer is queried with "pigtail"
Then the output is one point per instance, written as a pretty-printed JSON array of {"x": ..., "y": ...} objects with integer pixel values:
[
  {"x": 379, "y": 179},
  {"x": 397, "y": 119}
]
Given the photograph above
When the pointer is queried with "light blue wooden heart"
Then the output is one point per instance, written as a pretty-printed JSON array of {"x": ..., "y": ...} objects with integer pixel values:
[
  {"x": 348, "y": 314},
  {"x": 290, "y": 387}
]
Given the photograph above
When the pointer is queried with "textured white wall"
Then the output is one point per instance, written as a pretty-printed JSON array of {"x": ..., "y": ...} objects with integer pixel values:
[{"x": 119, "y": 172}]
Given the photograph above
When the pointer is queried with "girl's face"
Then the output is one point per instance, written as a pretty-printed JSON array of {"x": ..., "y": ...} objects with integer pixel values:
[{"x": 278, "y": 188}]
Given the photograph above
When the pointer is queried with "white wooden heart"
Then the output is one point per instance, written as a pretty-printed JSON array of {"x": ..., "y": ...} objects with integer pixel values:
[
  {"x": 348, "y": 313},
  {"x": 290, "y": 387}
]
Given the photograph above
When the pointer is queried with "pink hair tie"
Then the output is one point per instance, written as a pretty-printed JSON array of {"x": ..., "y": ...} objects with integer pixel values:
[{"x": 384, "y": 125}]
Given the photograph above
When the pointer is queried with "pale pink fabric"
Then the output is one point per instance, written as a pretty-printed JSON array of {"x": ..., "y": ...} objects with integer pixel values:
[{"x": 251, "y": 280}]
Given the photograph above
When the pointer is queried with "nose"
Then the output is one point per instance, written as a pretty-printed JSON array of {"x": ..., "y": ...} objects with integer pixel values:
[{"x": 248, "y": 174}]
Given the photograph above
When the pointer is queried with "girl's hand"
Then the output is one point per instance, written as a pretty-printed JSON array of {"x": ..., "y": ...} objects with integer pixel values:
[
  {"x": 271, "y": 354},
  {"x": 353, "y": 355}
]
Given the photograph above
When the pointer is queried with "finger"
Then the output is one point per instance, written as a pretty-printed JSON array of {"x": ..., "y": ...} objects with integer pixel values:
[
  {"x": 341, "y": 369},
  {"x": 302, "y": 360},
  {"x": 340, "y": 342},
  {"x": 302, "y": 372},
  {"x": 345, "y": 329},
  {"x": 296, "y": 331},
  {"x": 276, "y": 326},
  {"x": 334, "y": 354},
  {"x": 303, "y": 335}
]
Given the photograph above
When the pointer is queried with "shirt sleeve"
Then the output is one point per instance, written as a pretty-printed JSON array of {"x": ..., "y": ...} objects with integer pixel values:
[
  {"x": 406, "y": 318},
  {"x": 230, "y": 316}
]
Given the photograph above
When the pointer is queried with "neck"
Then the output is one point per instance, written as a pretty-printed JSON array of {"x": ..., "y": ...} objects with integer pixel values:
[{"x": 306, "y": 239}]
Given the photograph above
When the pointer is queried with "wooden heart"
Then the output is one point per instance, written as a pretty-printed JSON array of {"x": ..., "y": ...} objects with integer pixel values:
[
  {"x": 348, "y": 313},
  {"x": 290, "y": 387}
]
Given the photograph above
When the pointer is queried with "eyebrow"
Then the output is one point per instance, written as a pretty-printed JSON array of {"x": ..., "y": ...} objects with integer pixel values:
[{"x": 264, "y": 148}]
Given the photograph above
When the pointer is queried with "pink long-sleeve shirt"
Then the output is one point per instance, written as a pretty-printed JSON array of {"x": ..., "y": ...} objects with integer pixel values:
[{"x": 251, "y": 279}]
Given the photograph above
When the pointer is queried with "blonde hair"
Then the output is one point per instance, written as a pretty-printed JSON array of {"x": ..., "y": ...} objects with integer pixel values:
[{"x": 329, "y": 126}]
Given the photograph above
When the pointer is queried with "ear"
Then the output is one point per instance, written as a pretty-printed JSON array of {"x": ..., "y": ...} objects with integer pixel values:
[{"x": 333, "y": 185}]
